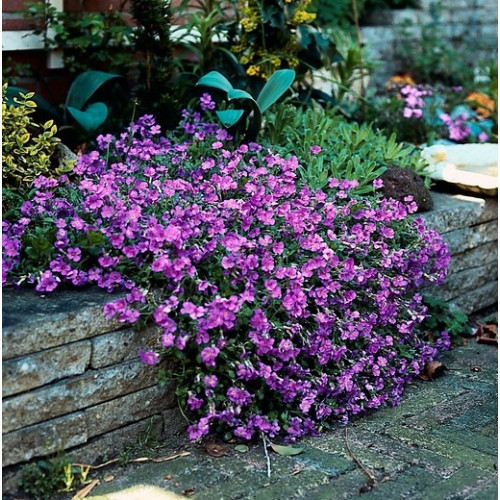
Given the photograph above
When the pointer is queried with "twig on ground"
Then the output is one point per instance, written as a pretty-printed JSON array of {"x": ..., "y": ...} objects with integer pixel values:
[
  {"x": 268, "y": 459},
  {"x": 141, "y": 459},
  {"x": 372, "y": 481}
]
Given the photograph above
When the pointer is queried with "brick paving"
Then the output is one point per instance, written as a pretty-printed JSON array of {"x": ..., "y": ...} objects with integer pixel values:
[{"x": 439, "y": 444}]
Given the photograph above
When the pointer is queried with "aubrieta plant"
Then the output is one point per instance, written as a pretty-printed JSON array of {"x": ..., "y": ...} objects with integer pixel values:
[
  {"x": 425, "y": 114},
  {"x": 282, "y": 308}
]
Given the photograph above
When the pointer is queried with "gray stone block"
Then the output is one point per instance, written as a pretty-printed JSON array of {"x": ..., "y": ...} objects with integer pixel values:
[
  {"x": 108, "y": 446},
  {"x": 461, "y": 240},
  {"x": 121, "y": 345},
  {"x": 474, "y": 258},
  {"x": 36, "y": 370},
  {"x": 465, "y": 281},
  {"x": 454, "y": 212},
  {"x": 484, "y": 296},
  {"x": 118, "y": 412},
  {"x": 43, "y": 439},
  {"x": 75, "y": 394},
  {"x": 52, "y": 320}
]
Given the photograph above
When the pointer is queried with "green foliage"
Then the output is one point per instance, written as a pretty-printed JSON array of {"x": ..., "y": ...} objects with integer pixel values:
[
  {"x": 80, "y": 112},
  {"x": 339, "y": 13},
  {"x": 155, "y": 91},
  {"x": 442, "y": 317},
  {"x": 44, "y": 479},
  {"x": 90, "y": 40},
  {"x": 348, "y": 150},
  {"x": 26, "y": 145},
  {"x": 147, "y": 444},
  {"x": 248, "y": 120}
]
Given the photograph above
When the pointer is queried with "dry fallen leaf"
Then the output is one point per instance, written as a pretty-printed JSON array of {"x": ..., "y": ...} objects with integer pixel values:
[
  {"x": 108, "y": 478},
  {"x": 432, "y": 369},
  {"x": 215, "y": 450},
  {"x": 188, "y": 492},
  {"x": 487, "y": 334}
]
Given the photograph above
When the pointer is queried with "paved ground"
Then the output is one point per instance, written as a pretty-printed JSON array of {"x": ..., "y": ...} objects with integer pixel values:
[{"x": 440, "y": 443}]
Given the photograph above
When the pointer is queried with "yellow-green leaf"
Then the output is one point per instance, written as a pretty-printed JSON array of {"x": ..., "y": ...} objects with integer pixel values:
[{"x": 286, "y": 450}]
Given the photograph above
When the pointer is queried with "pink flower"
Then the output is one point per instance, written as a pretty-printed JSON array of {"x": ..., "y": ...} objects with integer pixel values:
[
  {"x": 149, "y": 357},
  {"x": 315, "y": 150}
]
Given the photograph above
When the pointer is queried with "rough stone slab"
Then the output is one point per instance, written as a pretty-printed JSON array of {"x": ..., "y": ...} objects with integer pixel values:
[
  {"x": 121, "y": 345},
  {"x": 461, "y": 240},
  {"x": 75, "y": 394},
  {"x": 44, "y": 321},
  {"x": 43, "y": 439},
  {"x": 480, "y": 298},
  {"x": 463, "y": 282},
  {"x": 474, "y": 258},
  {"x": 36, "y": 370},
  {"x": 133, "y": 407},
  {"x": 174, "y": 422},
  {"x": 452, "y": 212},
  {"x": 108, "y": 446}
]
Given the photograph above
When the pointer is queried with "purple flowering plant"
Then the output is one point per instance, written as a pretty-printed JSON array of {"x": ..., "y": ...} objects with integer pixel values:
[
  {"x": 281, "y": 308},
  {"x": 421, "y": 113}
]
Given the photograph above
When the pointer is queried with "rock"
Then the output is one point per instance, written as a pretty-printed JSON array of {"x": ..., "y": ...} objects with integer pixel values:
[
  {"x": 63, "y": 156},
  {"x": 400, "y": 182}
]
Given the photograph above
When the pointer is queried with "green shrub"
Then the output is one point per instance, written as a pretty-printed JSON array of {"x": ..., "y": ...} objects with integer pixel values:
[
  {"x": 26, "y": 146},
  {"x": 348, "y": 150}
]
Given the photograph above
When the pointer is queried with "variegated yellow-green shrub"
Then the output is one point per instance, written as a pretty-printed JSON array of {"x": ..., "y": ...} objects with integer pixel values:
[{"x": 26, "y": 145}]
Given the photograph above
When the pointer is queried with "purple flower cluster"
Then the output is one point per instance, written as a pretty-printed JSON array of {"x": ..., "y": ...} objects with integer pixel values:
[
  {"x": 458, "y": 130},
  {"x": 414, "y": 100},
  {"x": 285, "y": 307}
]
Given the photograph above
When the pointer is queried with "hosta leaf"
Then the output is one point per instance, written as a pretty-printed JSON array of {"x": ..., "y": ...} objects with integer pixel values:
[
  {"x": 229, "y": 117},
  {"x": 85, "y": 85},
  {"x": 92, "y": 117},
  {"x": 216, "y": 80},
  {"x": 275, "y": 87}
]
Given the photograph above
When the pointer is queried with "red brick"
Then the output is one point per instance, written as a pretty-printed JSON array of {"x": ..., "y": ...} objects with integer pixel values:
[
  {"x": 16, "y": 24},
  {"x": 12, "y": 5}
]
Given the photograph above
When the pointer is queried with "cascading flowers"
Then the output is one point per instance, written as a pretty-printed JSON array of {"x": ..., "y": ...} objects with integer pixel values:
[{"x": 281, "y": 308}]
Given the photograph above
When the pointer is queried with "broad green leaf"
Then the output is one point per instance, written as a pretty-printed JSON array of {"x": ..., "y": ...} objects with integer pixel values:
[
  {"x": 85, "y": 85},
  {"x": 216, "y": 80},
  {"x": 286, "y": 450},
  {"x": 92, "y": 117},
  {"x": 275, "y": 87},
  {"x": 239, "y": 94},
  {"x": 229, "y": 117}
]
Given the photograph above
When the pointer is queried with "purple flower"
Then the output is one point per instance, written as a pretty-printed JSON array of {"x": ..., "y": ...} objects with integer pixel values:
[
  {"x": 209, "y": 355},
  {"x": 206, "y": 102},
  {"x": 149, "y": 357}
]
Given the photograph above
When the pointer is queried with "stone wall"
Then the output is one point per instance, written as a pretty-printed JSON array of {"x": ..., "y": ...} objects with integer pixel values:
[
  {"x": 470, "y": 24},
  {"x": 72, "y": 380},
  {"x": 469, "y": 224}
]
